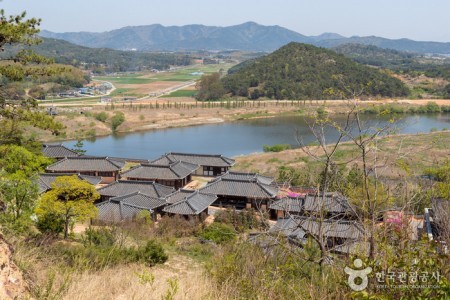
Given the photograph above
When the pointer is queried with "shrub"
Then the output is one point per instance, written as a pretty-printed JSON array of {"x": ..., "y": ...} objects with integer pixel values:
[
  {"x": 101, "y": 116},
  {"x": 152, "y": 253},
  {"x": 50, "y": 223},
  {"x": 117, "y": 120},
  {"x": 99, "y": 237},
  {"x": 276, "y": 148},
  {"x": 218, "y": 233},
  {"x": 144, "y": 217},
  {"x": 176, "y": 227},
  {"x": 432, "y": 107},
  {"x": 240, "y": 220}
]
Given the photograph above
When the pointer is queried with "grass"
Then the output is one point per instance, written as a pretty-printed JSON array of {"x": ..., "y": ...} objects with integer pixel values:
[
  {"x": 181, "y": 93},
  {"x": 123, "y": 79}
]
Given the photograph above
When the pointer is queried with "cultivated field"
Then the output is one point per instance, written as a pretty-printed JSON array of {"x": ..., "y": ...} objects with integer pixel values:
[{"x": 147, "y": 84}]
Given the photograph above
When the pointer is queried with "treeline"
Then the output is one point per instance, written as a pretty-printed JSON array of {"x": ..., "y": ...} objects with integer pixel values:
[
  {"x": 300, "y": 71},
  {"x": 57, "y": 78},
  {"x": 103, "y": 60},
  {"x": 398, "y": 61}
]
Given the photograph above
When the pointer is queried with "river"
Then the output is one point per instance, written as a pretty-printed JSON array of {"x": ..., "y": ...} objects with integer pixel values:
[{"x": 240, "y": 137}]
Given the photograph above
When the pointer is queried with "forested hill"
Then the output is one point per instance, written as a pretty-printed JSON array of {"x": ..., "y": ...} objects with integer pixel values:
[
  {"x": 375, "y": 56},
  {"x": 104, "y": 59},
  {"x": 300, "y": 71}
]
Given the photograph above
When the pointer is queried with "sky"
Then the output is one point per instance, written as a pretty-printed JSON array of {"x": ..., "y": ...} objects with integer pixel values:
[{"x": 418, "y": 20}]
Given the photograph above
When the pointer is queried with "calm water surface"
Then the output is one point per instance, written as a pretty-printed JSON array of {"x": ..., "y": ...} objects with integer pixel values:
[{"x": 238, "y": 138}]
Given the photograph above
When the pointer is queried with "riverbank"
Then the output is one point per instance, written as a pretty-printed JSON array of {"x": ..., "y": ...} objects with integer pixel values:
[
  {"x": 402, "y": 155},
  {"x": 81, "y": 121}
]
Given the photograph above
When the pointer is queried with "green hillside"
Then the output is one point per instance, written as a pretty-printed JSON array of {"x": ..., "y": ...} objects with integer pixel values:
[
  {"x": 104, "y": 59},
  {"x": 300, "y": 71}
]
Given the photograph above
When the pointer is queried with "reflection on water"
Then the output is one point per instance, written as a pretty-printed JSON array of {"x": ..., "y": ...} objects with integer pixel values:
[{"x": 241, "y": 137}]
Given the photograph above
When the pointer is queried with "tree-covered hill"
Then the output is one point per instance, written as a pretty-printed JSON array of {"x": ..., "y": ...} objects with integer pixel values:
[
  {"x": 398, "y": 61},
  {"x": 104, "y": 59},
  {"x": 375, "y": 56},
  {"x": 300, "y": 71}
]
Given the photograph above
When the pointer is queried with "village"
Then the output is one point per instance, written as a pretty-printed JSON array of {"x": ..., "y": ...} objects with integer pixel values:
[{"x": 197, "y": 186}]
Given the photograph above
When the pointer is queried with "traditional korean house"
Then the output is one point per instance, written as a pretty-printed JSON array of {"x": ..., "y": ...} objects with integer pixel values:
[
  {"x": 127, "y": 207},
  {"x": 87, "y": 165},
  {"x": 242, "y": 190},
  {"x": 333, "y": 205},
  {"x": 57, "y": 151},
  {"x": 189, "y": 203},
  {"x": 126, "y": 187},
  {"x": 176, "y": 174},
  {"x": 45, "y": 180},
  {"x": 342, "y": 236},
  {"x": 210, "y": 164}
]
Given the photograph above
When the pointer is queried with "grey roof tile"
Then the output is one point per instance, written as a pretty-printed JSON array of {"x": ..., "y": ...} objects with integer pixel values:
[
  {"x": 333, "y": 203},
  {"x": 173, "y": 171},
  {"x": 57, "y": 151},
  {"x": 191, "y": 203},
  {"x": 140, "y": 200},
  {"x": 112, "y": 212},
  {"x": 288, "y": 204},
  {"x": 213, "y": 160},
  {"x": 241, "y": 185},
  {"x": 85, "y": 164},
  {"x": 126, "y": 187},
  {"x": 45, "y": 180},
  {"x": 299, "y": 227}
]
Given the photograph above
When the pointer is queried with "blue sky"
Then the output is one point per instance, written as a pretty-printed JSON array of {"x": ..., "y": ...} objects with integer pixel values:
[{"x": 418, "y": 20}]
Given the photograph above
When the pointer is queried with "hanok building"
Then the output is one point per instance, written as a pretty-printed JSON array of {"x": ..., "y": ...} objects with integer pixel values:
[
  {"x": 86, "y": 165},
  {"x": 176, "y": 174},
  {"x": 332, "y": 205},
  {"x": 341, "y": 236},
  {"x": 210, "y": 164},
  {"x": 57, "y": 151},
  {"x": 242, "y": 190},
  {"x": 46, "y": 180},
  {"x": 126, "y": 187},
  {"x": 189, "y": 203},
  {"x": 127, "y": 207}
]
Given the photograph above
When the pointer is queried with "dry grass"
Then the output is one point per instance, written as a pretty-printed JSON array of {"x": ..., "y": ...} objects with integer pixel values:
[
  {"x": 403, "y": 155},
  {"x": 129, "y": 282}
]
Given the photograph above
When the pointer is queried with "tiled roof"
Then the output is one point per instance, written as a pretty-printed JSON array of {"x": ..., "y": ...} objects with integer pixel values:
[
  {"x": 57, "y": 151},
  {"x": 45, "y": 180},
  {"x": 299, "y": 227},
  {"x": 94, "y": 180},
  {"x": 191, "y": 203},
  {"x": 140, "y": 200},
  {"x": 212, "y": 160},
  {"x": 110, "y": 211},
  {"x": 333, "y": 203},
  {"x": 233, "y": 175},
  {"x": 126, "y": 187},
  {"x": 288, "y": 204},
  {"x": 124, "y": 160},
  {"x": 173, "y": 171},
  {"x": 85, "y": 164},
  {"x": 241, "y": 185}
]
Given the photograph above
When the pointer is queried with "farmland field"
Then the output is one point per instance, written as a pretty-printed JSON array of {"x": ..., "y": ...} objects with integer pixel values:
[
  {"x": 180, "y": 93},
  {"x": 141, "y": 84}
]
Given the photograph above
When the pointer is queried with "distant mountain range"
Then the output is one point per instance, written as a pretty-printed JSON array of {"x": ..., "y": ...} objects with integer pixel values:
[{"x": 249, "y": 36}]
